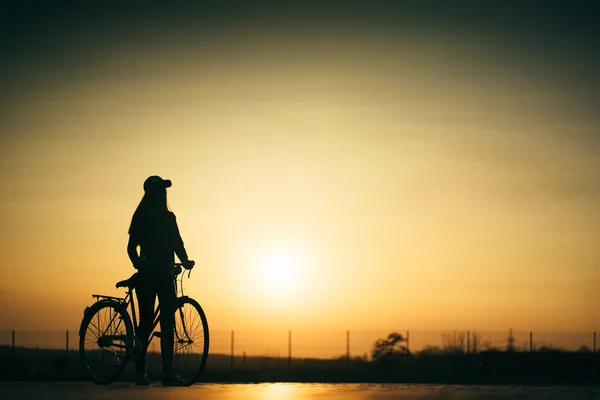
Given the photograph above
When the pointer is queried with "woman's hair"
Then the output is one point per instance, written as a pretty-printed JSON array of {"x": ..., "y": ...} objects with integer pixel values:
[{"x": 154, "y": 203}]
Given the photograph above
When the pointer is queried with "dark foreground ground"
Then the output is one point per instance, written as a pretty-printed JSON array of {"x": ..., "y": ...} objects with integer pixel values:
[
  {"x": 486, "y": 368},
  {"x": 290, "y": 391}
]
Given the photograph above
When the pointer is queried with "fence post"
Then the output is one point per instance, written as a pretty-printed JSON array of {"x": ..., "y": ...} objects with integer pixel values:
[
  {"x": 594, "y": 341},
  {"x": 67, "y": 345},
  {"x": 13, "y": 341},
  {"x": 232, "y": 337},
  {"x": 408, "y": 340},
  {"x": 348, "y": 345},
  {"x": 289, "y": 348},
  {"x": 530, "y": 341}
]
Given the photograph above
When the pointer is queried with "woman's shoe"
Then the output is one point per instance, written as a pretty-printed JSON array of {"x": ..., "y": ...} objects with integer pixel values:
[
  {"x": 142, "y": 379},
  {"x": 173, "y": 380}
]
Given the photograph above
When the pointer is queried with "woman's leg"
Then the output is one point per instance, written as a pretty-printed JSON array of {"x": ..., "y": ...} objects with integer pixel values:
[
  {"x": 146, "y": 295},
  {"x": 167, "y": 299}
]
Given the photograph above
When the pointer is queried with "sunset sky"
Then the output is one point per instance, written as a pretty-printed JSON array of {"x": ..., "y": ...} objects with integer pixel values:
[{"x": 360, "y": 167}]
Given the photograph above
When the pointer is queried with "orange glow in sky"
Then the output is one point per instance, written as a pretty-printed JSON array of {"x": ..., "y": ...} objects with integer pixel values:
[{"x": 333, "y": 182}]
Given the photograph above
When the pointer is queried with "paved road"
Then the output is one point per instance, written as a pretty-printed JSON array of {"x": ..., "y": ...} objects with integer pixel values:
[{"x": 286, "y": 391}]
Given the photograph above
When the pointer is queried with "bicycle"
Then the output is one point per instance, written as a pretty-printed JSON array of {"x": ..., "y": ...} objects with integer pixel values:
[{"x": 107, "y": 335}]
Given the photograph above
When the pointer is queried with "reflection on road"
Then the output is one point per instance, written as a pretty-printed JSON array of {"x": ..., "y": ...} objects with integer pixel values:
[{"x": 286, "y": 391}]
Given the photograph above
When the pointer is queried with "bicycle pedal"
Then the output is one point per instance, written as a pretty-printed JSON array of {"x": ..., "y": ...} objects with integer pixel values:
[{"x": 157, "y": 334}]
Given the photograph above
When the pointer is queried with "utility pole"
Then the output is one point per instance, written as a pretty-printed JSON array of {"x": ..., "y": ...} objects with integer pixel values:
[
  {"x": 232, "y": 337},
  {"x": 289, "y": 349},
  {"x": 348, "y": 345},
  {"x": 468, "y": 342}
]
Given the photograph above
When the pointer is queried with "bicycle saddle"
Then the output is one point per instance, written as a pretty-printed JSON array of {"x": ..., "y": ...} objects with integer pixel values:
[{"x": 129, "y": 283}]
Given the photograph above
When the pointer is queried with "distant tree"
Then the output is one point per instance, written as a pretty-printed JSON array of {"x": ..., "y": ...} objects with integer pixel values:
[
  {"x": 431, "y": 351},
  {"x": 584, "y": 349},
  {"x": 486, "y": 345},
  {"x": 524, "y": 347},
  {"x": 454, "y": 342},
  {"x": 393, "y": 348},
  {"x": 475, "y": 343}
]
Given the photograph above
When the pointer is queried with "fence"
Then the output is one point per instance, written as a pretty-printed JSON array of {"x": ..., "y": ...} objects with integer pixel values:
[{"x": 329, "y": 344}]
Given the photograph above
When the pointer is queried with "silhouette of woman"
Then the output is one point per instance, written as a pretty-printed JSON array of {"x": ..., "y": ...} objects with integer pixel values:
[{"x": 154, "y": 229}]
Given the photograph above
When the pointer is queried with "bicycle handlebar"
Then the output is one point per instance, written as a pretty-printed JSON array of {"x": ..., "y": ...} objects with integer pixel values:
[{"x": 191, "y": 264}]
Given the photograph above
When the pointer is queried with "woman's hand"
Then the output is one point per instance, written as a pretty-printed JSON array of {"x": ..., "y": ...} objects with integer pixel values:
[{"x": 188, "y": 264}]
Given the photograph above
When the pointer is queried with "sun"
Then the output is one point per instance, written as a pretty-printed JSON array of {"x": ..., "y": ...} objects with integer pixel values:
[{"x": 279, "y": 270}]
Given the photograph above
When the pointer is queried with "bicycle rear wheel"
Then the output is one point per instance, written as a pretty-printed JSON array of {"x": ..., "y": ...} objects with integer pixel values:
[
  {"x": 190, "y": 350},
  {"x": 103, "y": 349}
]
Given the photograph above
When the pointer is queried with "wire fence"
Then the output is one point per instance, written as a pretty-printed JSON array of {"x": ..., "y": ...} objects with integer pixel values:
[{"x": 331, "y": 344}]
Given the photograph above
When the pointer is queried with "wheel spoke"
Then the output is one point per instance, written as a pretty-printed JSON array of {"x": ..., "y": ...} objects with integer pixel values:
[
  {"x": 191, "y": 340},
  {"x": 103, "y": 360}
]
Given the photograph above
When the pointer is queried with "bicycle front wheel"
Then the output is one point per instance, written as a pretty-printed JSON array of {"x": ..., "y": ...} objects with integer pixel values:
[
  {"x": 103, "y": 347},
  {"x": 190, "y": 349}
]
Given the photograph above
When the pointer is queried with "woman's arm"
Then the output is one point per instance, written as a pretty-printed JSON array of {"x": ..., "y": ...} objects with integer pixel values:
[
  {"x": 133, "y": 253},
  {"x": 178, "y": 246}
]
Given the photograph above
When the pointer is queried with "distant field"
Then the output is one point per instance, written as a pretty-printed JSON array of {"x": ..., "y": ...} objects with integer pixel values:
[
  {"x": 486, "y": 367},
  {"x": 44, "y": 364}
]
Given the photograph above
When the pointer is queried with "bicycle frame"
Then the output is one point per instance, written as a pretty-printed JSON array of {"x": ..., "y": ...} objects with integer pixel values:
[{"x": 126, "y": 302}]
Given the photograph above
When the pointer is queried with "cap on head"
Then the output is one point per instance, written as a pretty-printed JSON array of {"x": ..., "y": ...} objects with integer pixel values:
[{"x": 156, "y": 181}]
